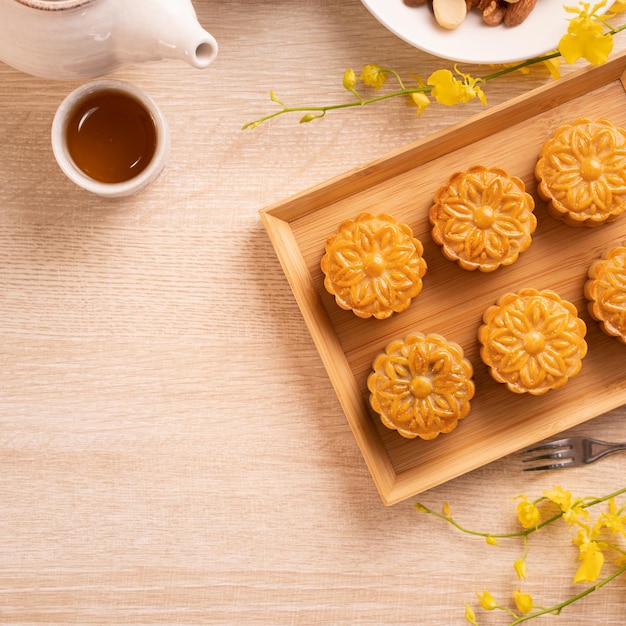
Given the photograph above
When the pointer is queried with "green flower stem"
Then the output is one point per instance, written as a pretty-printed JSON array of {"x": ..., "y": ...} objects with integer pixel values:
[
  {"x": 396, "y": 75},
  {"x": 595, "y": 501},
  {"x": 557, "y": 608},
  {"x": 520, "y": 533},
  {"x": 331, "y": 107},
  {"x": 521, "y": 65}
]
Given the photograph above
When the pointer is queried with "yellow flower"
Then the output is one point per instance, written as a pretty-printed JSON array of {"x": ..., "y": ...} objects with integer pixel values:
[
  {"x": 492, "y": 541},
  {"x": 561, "y": 497},
  {"x": 572, "y": 509},
  {"x": 589, "y": 570},
  {"x": 613, "y": 520},
  {"x": 349, "y": 79},
  {"x": 520, "y": 568},
  {"x": 585, "y": 37},
  {"x": 373, "y": 76},
  {"x": 472, "y": 87},
  {"x": 527, "y": 513},
  {"x": 523, "y": 601},
  {"x": 449, "y": 90},
  {"x": 470, "y": 616},
  {"x": 554, "y": 66},
  {"x": 487, "y": 601},
  {"x": 590, "y": 553},
  {"x": 421, "y": 101}
]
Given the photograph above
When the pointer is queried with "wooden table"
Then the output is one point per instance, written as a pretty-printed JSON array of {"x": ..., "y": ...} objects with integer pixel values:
[{"x": 171, "y": 448}]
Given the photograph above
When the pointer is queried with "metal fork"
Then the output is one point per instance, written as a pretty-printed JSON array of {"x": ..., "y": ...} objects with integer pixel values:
[{"x": 568, "y": 452}]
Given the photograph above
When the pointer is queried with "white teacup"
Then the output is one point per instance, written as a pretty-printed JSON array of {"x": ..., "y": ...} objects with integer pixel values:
[{"x": 110, "y": 138}]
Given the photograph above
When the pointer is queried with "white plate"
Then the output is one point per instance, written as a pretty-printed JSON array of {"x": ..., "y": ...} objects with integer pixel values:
[{"x": 474, "y": 41}]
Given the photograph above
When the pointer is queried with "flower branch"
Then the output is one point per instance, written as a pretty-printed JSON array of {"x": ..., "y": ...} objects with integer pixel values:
[
  {"x": 588, "y": 36},
  {"x": 590, "y": 538}
]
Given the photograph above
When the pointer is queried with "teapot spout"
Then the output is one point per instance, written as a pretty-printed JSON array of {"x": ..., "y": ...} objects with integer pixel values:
[
  {"x": 165, "y": 29},
  {"x": 197, "y": 47}
]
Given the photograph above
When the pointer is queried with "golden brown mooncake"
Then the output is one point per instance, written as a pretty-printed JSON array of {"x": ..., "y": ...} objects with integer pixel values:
[
  {"x": 373, "y": 266},
  {"x": 605, "y": 291},
  {"x": 532, "y": 341},
  {"x": 483, "y": 218},
  {"x": 421, "y": 385},
  {"x": 582, "y": 172}
]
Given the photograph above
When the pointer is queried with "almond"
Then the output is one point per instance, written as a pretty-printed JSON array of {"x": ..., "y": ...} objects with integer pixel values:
[{"x": 517, "y": 12}]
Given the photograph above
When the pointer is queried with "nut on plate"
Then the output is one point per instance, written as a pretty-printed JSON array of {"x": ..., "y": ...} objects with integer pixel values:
[
  {"x": 517, "y": 12},
  {"x": 450, "y": 14}
]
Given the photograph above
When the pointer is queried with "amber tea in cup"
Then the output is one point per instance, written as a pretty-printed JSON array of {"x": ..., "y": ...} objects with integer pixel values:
[{"x": 110, "y": 138}]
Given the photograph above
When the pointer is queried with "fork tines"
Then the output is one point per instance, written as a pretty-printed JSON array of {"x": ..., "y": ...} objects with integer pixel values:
[{"x": 558, "y": 451}]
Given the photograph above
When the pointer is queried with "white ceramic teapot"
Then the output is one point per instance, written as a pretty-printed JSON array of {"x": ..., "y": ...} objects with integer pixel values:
[{"x": 80, "y": 39}]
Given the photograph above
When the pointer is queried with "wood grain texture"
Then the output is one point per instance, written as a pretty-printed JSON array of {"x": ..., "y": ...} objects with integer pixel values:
[{"x": 171, "y": 448}]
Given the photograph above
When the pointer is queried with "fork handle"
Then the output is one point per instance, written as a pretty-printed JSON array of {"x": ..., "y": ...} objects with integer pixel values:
[{"x": 598, "y": 449}]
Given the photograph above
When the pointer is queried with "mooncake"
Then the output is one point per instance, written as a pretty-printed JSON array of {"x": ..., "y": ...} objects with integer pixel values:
[
  {"x": 532, "y": 341},
  {"x": 483, "y": 218},
  {"x": 605, "y": 291},
  {"x": 421, "y": 385},
  {"x": 373, "y": 266},
  {"x": 582, "y": 172}
]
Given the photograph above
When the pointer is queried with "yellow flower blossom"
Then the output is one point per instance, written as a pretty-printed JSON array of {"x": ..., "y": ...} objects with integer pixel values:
[
  {"x": 373, "y": 76},
  {"x": 349, "y": 79},
  {"x": 470, "y": 616},
  {"x": 492, "y": 541},
  {"x": 527, "y": 513},
  {"x": 448, "y": 90},
  {"x": 520, "y": 568},
  {"x": 420, "y": 100},
  {"x": 486, "y": 600},
  {"x": 613, "y": 519},
  {"x": 590, "y": 568},
  {"x": 523, "y": 601},
  {"x": 590, "y": 553},
  {"x": 585, "y": 37},
  {"x": 472, "y": 85},
  {"x": 554, "y": 66},
  {"x": 572, "y": 509}
]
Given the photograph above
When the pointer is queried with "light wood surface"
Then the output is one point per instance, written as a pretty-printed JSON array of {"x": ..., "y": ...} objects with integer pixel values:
[{"x": 172, "y": 450}]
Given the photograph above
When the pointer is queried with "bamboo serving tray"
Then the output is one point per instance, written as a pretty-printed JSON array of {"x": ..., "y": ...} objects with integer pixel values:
[{"x": 453, "y": 300}]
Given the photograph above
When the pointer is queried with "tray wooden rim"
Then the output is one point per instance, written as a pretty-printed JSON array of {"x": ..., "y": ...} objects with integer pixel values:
[{"x": 277, "y": 218}]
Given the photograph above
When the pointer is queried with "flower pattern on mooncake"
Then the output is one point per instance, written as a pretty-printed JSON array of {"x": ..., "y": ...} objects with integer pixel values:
[
  {"x": 532, "y": 341},
  {"x": 373, "y": 266},
  {"x": 421, "y": 386},
  {"x": 606, "y": 291},
  {"x": 483, "y": 218},
  {"x": 582, "y": 172}
]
